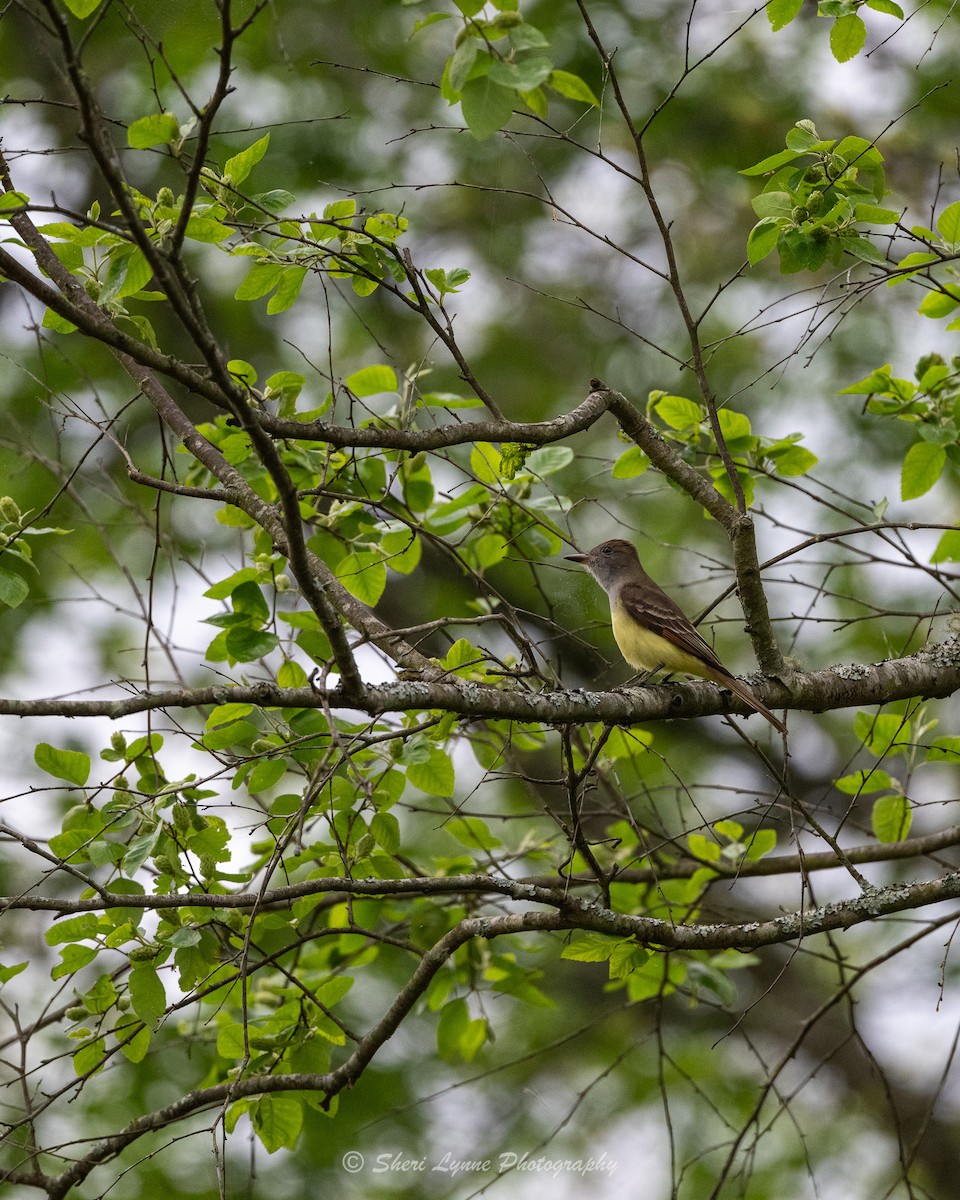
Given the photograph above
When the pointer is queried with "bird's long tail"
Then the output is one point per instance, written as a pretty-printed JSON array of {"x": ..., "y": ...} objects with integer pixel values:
[{"x": 746, "y": 695}]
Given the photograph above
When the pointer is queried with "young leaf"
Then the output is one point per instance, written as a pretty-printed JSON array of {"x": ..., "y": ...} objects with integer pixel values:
[
  {"x": 71, "y": 765},
  {"x": 13, "y": 589},
  {"x": 573, "y": 87},
  {"x": 922, "y": 467},
  {"x": 847, "y": 37},
  {"x": 156, "y": 130},
  {"x": 782, "y": 12},
  {"x": 147, "y": 996},
  {"x": 486, "y": 106},
  {"x": 891, "y": 818},
  {"x": 239, "y": 167},
  {"x": 948, "y": 223},
  {"x": 372, "y": 381},
  {"x": 11, "y": 201}
]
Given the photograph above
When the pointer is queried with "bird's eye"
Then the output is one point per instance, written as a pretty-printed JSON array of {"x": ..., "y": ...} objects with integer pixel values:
[{"x": 608, "y": 549}]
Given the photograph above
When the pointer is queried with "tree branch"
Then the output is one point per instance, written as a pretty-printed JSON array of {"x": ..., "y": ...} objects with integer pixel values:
[{"x": 933, "y": 673}]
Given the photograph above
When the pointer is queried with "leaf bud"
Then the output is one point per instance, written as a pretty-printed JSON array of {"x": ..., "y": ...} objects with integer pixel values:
[
  {"x": 9, "y": 509},
  {"x": 142, "y": 954}
]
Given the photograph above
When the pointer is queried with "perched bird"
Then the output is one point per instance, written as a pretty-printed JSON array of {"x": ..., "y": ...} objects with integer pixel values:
[{"x": 651, "y": 631}]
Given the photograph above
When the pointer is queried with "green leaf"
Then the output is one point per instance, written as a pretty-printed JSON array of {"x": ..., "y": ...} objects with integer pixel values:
[
  {"x": 488, "y": 550},
  {"x": 364, "y": 575},
  {"x": 876, "y": 381},
  {"x": 277, "y": 1119},
  {"x": 891, "y": 818},
  {"x": 237, "y": 733},
  {"x": 147, "y": 996},
  {"x": 135, "y": 1047},
  {"x": 244, "y": 644},
  {"x": 274, "y": 201},
  {"x": 766, "y": 166},
  {"x": 71, "y": 765},
  {"x": 548, "y": 459},
  {"x": 386, "y": 831},
  {"x": 485, "y": 462},
  {"x": 678, "y": 412},
  {"x": 782, "y": 12},
  {"x": 291, "y": 281},
  {"x": 8, "y": 973},
  {"x": 762, "y": 842},
  {"x": 90, "y": 1057},
  {"x": 486, "y": 106},
  {"x": 734, "y": 426},
  {"x": 265, "y": 775},
  {"x": 140, "y": 848},
  {"x": 523, "y": 76},
  {"x": 208, "y": 231},
  {"x": 793, "y": 460},
  {"x": 590, "y": 947},
  {"x": 225, "y": 714},
  {"x": 261, "y": 279},
  {"x": 157, "y": 130},
  {"x": 53, "y": 320},
  {"x": 435, "y": 775},
  {"x": 882, "y": 733},
  {"x": 773, "y": 205},
  {"x": 865, "y": 250},
  {"x": 450, "y": 400},
  {"x": 573, "y": 87},
  {"x": 239, "y": 167},
  {"x": 73, "y": 929},
  {"x": 940, "y": 303},
  {"x": 948, "y": 548},
  {"x": 461, "y": 64},
  {"x": 72, "y": 959},
  {"x": 291, "y": 675},
  {"x": 372, "y": 381},
  {"x": 454, "y": 1018},
  {"x": 632, "y": 462},
  {"x": 471, "y": 831},
  {"x": 944, "y": 749},
  {"x": 128, "y": 273},
  {"x": 874, "y": 215},
  {"x": 12, "y": 201},
  {"x": 886, "y": 6},
  {"x": 922, "y": 467},
  {"x": 13, "y": 589},
  {"x": 762, "y": 239},
  {"x": 847, "y": 37},
  {"x": 527, "y": 37},
  {"x": 948, "y": 223},
  {"x": 82, "y": 8},
  {"x": 863, "y": 782}
]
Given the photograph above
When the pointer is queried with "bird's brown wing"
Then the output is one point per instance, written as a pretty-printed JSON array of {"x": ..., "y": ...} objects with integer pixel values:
[{"x": 649, "y": 604}]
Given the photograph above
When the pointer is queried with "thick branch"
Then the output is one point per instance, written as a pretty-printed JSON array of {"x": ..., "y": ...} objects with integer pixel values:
[
  {"x": 933, "y": 672},
  {"x": 536, "y": 433}
]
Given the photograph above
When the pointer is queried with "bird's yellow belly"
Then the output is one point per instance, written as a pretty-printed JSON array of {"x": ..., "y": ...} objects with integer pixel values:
[{"x": 648, "y": 651}]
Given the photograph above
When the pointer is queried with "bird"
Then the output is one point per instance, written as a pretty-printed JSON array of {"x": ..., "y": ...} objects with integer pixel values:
[{"x": 651, "y": 630}]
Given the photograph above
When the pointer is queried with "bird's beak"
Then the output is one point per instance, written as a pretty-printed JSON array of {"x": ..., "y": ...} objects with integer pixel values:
[{"x": 577, "y": 558}]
